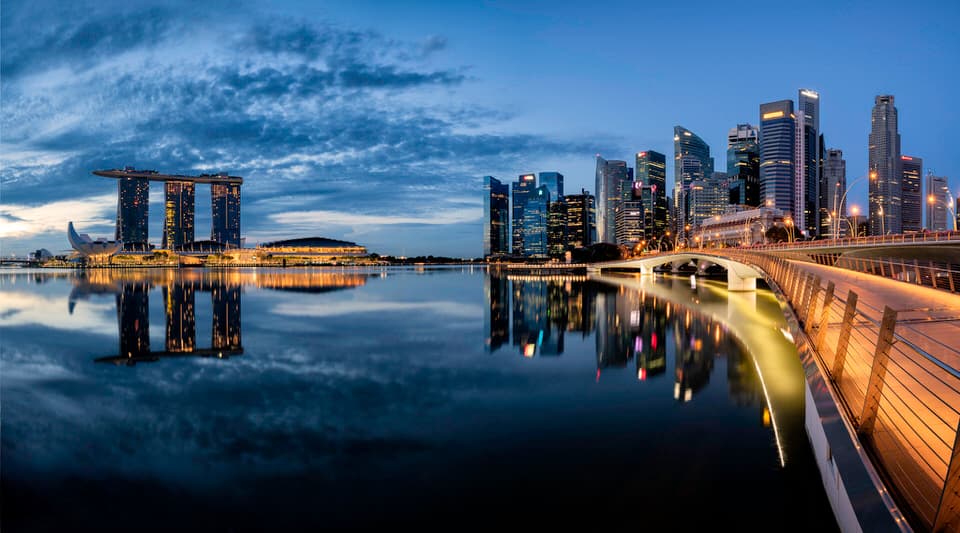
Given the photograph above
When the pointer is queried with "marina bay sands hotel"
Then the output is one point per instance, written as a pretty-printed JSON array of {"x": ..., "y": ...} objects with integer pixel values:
[{"x": 133, "y": 189}]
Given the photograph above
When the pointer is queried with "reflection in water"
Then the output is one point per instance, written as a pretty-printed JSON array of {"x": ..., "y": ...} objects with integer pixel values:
[
  {"x": 179, "y": 290},
  {"x": 627, "y": 323}
]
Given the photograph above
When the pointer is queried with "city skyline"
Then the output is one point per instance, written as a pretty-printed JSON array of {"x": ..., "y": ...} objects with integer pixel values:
[{"x": 411, "y": 106}]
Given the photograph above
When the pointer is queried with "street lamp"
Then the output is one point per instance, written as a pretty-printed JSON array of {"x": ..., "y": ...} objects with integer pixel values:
[
  {"x": 880, "y": 212},
  {"x": 855, "y": 211},
  {"x": 872, "y": 175},
  {"x": 789, "y": 223}
]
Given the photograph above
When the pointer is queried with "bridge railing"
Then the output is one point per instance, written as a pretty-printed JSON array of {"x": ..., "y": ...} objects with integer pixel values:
[
  {"x": 899, "y": 386},
  {"x": 906, "y": 238},
  {"x": 940, "y": 275}
]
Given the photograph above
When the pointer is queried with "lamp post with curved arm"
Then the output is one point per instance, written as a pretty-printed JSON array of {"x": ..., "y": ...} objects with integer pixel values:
[{"x": 872, "y": 175}]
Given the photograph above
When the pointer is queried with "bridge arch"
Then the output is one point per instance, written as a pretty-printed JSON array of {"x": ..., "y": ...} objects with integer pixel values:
[{"x": 740, "y": 277}]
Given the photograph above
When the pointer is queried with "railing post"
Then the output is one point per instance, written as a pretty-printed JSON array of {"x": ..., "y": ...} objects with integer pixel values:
[
  {"x": 948, "y": 513},
  {"x": 878, "y": 371},
  {"x": 825, "y": 316},
  {"x": 804, "y": 297},
  {"x": 846, "y": 324},
  {"x": 933, "y": 276},
  {"x": 812, "y": 304}
]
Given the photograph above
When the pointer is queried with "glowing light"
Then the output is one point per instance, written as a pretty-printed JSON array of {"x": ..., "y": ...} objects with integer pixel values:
[
  {"x": 642, "y": 374},
  {"x": 529, "y": 350},
  {"x": 772, "y": 114}
]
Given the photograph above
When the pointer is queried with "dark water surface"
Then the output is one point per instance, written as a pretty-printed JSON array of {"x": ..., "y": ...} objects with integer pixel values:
[{"x": 447, "y": 398}]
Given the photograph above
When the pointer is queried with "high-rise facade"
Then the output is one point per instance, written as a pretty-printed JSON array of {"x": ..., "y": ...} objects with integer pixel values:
[
  {"x": 911, "y": 178},
  {"x": 938, "y": 201},
  {"x": 609, "y": 178},
  {"x": 708, "y": 198},
  {"x": 225, "y": 208},
  {"x": 807, "y": 168},
  {"x": 496, "y": 217},
  {"x": 651, "y": 172},
  {"x": 777, "y": 155},
  {"x": 692, "y": 162},
  {"x": 557, "y": 229},
  {"x": 522, "y": 188},
  {"x": 835, "y": 180},
  {"x": 133, "y": 212},
  {"x": 178, "y": 215},
  {"x": 536, "y": 217},
  {"x": 884, "y": 166},
  {"x": 554, "y": 182},
  {"x": 743, "y": 165},
  {"x": 581, "y": 219}
]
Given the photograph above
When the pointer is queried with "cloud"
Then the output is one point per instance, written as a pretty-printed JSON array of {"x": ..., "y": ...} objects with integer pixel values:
[
  {"x": 22, "y": 220},
  {"x": 324, "y": 309},
  {"x": 329, "y": 115}
]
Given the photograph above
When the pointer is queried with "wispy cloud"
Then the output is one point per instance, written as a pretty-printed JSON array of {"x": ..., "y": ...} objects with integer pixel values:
[
  {"x": 18, "y": 221},
  {"x": 321, "y": 218}
]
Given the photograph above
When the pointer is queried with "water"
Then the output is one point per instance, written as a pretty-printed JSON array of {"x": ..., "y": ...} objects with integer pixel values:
[{"x": 446, "y": 398}]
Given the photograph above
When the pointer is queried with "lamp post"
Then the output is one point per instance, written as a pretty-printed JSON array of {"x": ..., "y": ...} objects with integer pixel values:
[
  {"x": 789, "y": 224},
  {"x": 855, "y": 211},
  {"x": 872, "y": 175},
  {"x": 880, "y": 212}
]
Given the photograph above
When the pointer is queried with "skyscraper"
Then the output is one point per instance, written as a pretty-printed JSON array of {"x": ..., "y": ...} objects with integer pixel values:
[
  {"x": 808, "y": 160},
  {"x": 692, "y": 162},
  {"x": 651, "y": 172},
  {"x": 708, "y": 198},
  {"x": 911, "y": 176},
  {"x": 581, "y": 219},
  {"x": 496, "y": 217},
  {"x": 225, "y": 207},
  {"x": 743, "y": 165},
  {"x": 554, "y": 182},
  {"x": 133, "y": 208},
  {"x": 609, "y": 176},
  {"x": 178, "y": 215},
  {"x": 884, "y": 166},
  {"x": 835, "y": 180},
  {"x": 522, "y": 188},
  {"x": 629, "y": 219},
  {"x": 938, "y": 200},
  {"x": 777, "y": 155},
  {"x": 557, "y": 229},
  {"x": 536, "y": 215}
]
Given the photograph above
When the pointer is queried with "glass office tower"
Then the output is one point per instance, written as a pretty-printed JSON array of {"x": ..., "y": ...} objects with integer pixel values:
[
  {"x": 884, "y": 166},
  {"x": 225, "y": 208},
  {"x": 777, "y": 151},
  {"x": 496, "y": 217},
  {"x": 178, "y": 215},
  {"x": 133, "y": 212}
]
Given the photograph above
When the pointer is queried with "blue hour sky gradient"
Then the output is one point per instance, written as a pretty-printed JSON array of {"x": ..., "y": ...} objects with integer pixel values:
[{"x": 375, "y": 121}]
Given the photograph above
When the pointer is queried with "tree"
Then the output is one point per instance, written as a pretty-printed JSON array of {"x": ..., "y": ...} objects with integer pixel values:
[{"x": 777, "y": 234}]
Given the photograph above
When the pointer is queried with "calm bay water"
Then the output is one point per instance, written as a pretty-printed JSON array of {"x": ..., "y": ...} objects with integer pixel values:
[{"x": 449, "y": 398}]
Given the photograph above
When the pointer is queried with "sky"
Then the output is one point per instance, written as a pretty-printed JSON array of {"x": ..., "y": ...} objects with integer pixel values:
[{"x": 375, "y": 122}]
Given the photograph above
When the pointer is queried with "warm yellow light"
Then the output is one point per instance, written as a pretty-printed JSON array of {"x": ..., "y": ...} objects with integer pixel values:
[
  {"x": 931, "y": 199},
  {"x": 855, "y": 210},
  {"x": 873, "y": 174},
  {"x": 772, "y": 114}
]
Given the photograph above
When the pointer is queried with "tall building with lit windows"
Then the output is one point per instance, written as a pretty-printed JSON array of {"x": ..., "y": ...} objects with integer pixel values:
[
  {"x": 225, "y": 208},
  {"x": 911, "y": 179},
  {"x": 496, "y": 217},
  {"x": 807, "y": 169},
  {"x": 133, "y": 212},
  {"x": 581, "y": 219},
  {"x": 178, "y": 215},
  {"x": 651, "y": 172},
  {"x": 536, "y": 219},
  {"x": 180, "y": 302},
  {"x": 554, "y": 182},
  {"x": 777, "y": 155},
  {"x": 691, "y": 162},
  {"x": 522, "y": 188},
  {"x": 610, "y": 176},
  {"x": 743, "y": 165},
  {"x": 938, "y": 202},
  {"x": 885, "y": 190}
]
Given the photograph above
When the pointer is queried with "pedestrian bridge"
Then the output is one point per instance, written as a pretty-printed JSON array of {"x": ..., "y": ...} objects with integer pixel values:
[{"x": 740, "y": 277}]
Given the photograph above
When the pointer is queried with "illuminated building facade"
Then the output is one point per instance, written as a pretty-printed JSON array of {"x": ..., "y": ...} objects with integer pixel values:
[
  {"x": 692, "y": 162},
  {"x": 777, "y": 155},
  {"x": 884, "y": 166},
  {"x": 557, "y": 229},
  {"x": 225, "y": 333},
  {"x": 536, "y": 215},
  {"x": 609, "y": 179},
  {"x": 225, "y": 208},
  {"x": 179, "y": 207},
  {"x": 313, "y": 246},
  {"x": 179, "y": 300},
  {"x": 911, "y": 178},
  {"x": 496, "y": 315},
  {"x": 522, "y": 188},
  {"x": 743, "y": 165},
  {"x": 581, "y": 219},
  {"x": 708, "y": 198},
  {"x": 496, "y": 217},
  {"x": 133, "y": 306},
  {"x": 807, "y": 169},
  {"x": 651, "y": 172},
  {"x": 938, "y": 200},
  {"x": 133, "y": 209}
]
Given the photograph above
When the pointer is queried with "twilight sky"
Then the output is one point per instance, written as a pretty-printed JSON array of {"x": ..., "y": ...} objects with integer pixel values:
[{"x": 375, "y": 121}]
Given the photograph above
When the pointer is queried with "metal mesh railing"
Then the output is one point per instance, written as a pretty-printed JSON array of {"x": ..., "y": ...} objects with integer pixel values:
[{"x": 899, "y": 384}]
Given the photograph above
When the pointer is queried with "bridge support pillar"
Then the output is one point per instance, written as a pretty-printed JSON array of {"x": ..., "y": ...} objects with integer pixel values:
[
  {"x": 646, "y": 270},
  {"x": 736, "y": 283}
]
